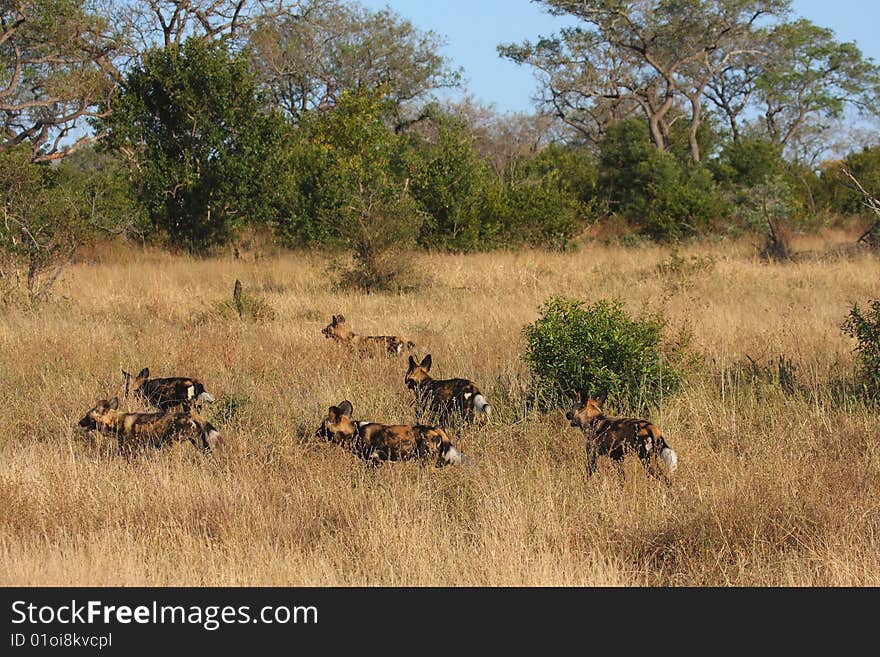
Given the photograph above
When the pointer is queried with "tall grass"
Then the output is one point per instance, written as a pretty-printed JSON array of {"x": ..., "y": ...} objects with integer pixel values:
[{"x": 778, "y": 485}]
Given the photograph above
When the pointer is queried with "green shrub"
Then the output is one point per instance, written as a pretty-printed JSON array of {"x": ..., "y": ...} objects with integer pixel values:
[
  {"x": 600, "y": 347},
  {"x": 748, "y": 162},
  {"x": 864, "y": 326},
  {"x": 665, "y": 197}
]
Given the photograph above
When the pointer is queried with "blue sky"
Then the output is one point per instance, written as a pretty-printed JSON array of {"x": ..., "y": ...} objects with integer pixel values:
[{"x": 474, "y": 28}]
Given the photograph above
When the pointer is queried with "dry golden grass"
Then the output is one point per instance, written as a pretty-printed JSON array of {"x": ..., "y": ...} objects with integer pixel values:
[{"x": 773, "y": 489}]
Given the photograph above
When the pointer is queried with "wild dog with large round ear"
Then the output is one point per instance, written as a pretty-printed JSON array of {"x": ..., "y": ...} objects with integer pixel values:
[
  {"x": 616, "y": 437},
  {"x": 445, "y": 395},
  {"x": 376, "y": 442},
  {"x": 133, "y": 430},
  {"x": 391, "y": 344},
  {"x": 166, "y": 393}
]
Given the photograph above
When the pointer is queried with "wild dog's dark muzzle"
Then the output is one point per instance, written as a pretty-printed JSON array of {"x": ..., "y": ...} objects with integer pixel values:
[{"x": 87, "y": 423}]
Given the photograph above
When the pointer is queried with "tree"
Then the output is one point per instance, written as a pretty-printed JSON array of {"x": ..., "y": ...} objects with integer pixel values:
[
  {"x": 166, "y": 23},
  {"x": 307, "y": 62},
  {"x": 57, "y": 70},
  {"x": 667, "y": 59},
  {"x": 809, "y": 75},
  {"x": 190, "y": 120},
  {"x": 639, "y": 56},
  {"x": 359, "y": 194},
  {"x": 583, "y": 81},
  {"x": 450, "y": 183}
]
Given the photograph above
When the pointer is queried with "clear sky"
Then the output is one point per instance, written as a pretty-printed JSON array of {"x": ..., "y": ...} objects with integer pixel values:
[{"x": 473, "y": 29}]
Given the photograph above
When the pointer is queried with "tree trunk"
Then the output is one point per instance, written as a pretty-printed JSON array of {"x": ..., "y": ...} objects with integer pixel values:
[{"x": 696, "y": 117}]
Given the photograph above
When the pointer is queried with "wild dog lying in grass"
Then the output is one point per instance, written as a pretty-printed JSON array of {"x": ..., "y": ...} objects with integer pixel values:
[
  {"x": 445, "y": 394},
  {"x": 134, "y": 430},
  {"x": 392, "y": 344},
  {"x": 616, "y": 437},
  {"x": 165, "y": 393},
  {"x": 382, "y": 442}
]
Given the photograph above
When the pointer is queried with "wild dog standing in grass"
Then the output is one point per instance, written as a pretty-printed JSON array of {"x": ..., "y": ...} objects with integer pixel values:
[
  {"x": 444, "y": 395},
  {"x": 383, "y": 442},
  {"x": 165, "y": 393},
  {"x": 134, "y": 430},
  {"x": 616, "y": 437},
  {"x": 338, "y": 331}
]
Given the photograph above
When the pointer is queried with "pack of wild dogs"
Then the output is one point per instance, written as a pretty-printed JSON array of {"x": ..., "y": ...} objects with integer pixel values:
[{"x": 178, "y": 403}]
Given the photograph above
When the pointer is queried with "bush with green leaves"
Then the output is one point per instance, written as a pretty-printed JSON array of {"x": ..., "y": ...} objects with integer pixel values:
[
  {"x": 748, "y": 162},
  {"x": 573, "y": 347},
  {"x": 368, "y": 208},
  {"x": 653, "y": 189},
  {"x": 864, "y": 326},
  {"x": 205, "y": 148},
  {"x": 451, "y": 185}
]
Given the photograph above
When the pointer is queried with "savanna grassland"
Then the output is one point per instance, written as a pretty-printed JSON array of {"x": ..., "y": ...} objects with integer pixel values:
[{"x": 777, "y": 485}]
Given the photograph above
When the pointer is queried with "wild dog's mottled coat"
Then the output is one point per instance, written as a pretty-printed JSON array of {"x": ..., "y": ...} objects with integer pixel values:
[
  {"x": 444, "y": 395},
  {"x": 392, "y": 344},
  {"x": 165, "y": 393},
  {"x": 383, "y": 442},
  {"x": 615, "y": 437},
  {"x": 133, "y": 430}
]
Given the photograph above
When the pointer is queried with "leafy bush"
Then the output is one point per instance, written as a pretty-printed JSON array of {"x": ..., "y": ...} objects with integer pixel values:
[
  {"x": 864, "y": 326},
  {"x": 600, "y": 347},
  {"x": 381, "y": 232},
  {"x": 678, "y": 199},
  {"x": 370, "y": 210},
  {"x": 667, "y": 198},
  {"x": 749, "y": 162},
  {"x": 450, "y": 183},
  {"x": 838, "y": 194}
]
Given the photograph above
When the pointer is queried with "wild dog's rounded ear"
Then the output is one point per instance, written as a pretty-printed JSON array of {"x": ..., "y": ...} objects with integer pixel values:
[
  {"x": 332, "y": 320},
  {"x": 412, "y": 363},
  {"x": 340, "y": 319},
  {"x": 144, "y": 373},
  {"x": 426, "y": 362},
  {"x": 114, "y": 404},
  {"x": 334, "y": 414},
  {"x": 345, "y": 408},
  {"x": 602, "y": 396}
]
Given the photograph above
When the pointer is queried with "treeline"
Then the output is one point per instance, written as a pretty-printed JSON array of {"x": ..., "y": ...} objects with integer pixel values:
[{"x": 182, "y": 122}]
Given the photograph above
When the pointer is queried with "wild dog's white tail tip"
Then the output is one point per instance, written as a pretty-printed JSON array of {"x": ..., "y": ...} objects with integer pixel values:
[
  {"x": 454, "y": 457},
  {"x": 670, "y": 459},
  {"x": 205, "y": 397},
  {"x": 214, "y": 439},
  {"x": 482, "y": 405}
]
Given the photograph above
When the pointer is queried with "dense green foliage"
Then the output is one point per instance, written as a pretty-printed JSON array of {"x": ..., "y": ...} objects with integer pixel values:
[
  {"x": 653, "y": 189},
  {"x": 202, "y": 144},
  {"x": 600, "y": 347},
  {"x": 323, "y": 133},
  {"x": 864, "y": 326},
  {"x": 49, "y": 211}
]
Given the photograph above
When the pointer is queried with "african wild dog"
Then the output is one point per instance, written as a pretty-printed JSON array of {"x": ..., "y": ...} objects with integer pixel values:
[
  {"x": 382, "y": 442},
  {"x": 615, "y": 437},
  {"x": 165, "y": 393},
  {"x": 393, "y": 344},
  {"x": 134, "y": 430},
  {"x": 445, "y": 394}
]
